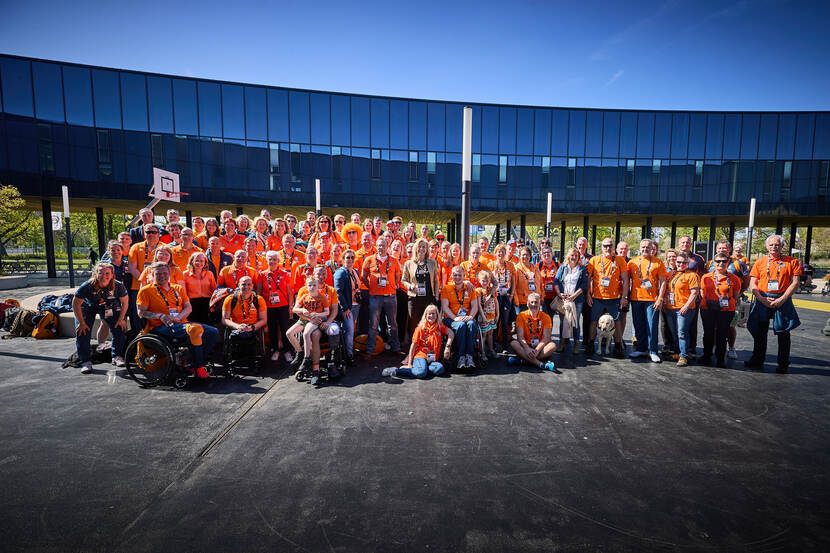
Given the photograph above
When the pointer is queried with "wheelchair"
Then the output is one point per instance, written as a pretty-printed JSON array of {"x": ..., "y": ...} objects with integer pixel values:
[
  {"x": 242, "y": 353},
  {"x": 331, "y": 357},
  {"x": 152, "y": 360},
  {"x": 479, "y": 357}
]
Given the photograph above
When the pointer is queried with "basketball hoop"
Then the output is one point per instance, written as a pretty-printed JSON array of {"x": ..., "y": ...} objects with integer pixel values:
[{"x": 166, "y": 186}]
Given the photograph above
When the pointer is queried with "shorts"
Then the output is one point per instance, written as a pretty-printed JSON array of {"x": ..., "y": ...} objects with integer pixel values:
[
  {"x": 488, "y": 327},
  {"x": 599, "y": 306}
]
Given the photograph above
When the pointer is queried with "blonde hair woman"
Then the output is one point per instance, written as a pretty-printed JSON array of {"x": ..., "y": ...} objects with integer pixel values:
[
  {"x": 101, "y": 295},
  {"x": 199, "y": 283},
  {"x": 420, "y": 279},
  {"x": 164, "y": 254},
  {"x": 425, "y": 350}
]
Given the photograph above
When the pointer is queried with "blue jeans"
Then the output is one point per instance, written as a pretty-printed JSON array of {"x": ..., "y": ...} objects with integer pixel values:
[
  {"x": 646, "y": 322},
  {"x": 82, "y": 342},
  {"x": 679, "y": 326},
  {"x": 464, "y": 335},
  {"x": 599, "y": 305},
  {"x": 348, "y": 328},
  {"x": 209, "y": 337},
  {"x": 420, "y": 368},
  {"x": 389, "y": 305}
]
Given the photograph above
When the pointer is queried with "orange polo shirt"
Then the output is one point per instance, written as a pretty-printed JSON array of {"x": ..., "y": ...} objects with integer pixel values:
[
  {"x": 600, "y": 267},
  {"x": 427, "y": 338},
  {"x": 359, "y": 257},
  {"x": 471, "y": 270},
  {"x": 181, "y": 256},
  {"x": 528, "y": 280},
  {"x": 503, "y": 275},
  {"x": 641, "y": 269},
  {"x": 782, "y": 270},
  {"x": 176, "y": 276},
  {"x": 244, "y": 312},
  {"x": 229, "y": 276},
  {"x": 199, "y": 287},
  {"x": 548, "y": 275},
  {"x": 275, "y": 285},
  {"x": 457, "y": 298},
  {"x": 232, "y": 244},
  {"x": 157, "y": 300},
  {"x": 140, "y": 255},
  {"x": 533, "y": 327},
  {"x": 715, "y": 286},
  {"x": 274, "y": 242},
  {"x": 681, "y": 285},
  {"x": 374, "y": 270},
  {"x": 288, "y": 262}
]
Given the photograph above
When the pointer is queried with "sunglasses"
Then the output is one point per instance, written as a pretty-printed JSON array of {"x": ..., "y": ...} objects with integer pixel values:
[
  {"x": 151, "y": 232},
  {"x": 719, "y": 261},
  {"x": 608, "y": 245},
  {"x": 682, "y": 262}
]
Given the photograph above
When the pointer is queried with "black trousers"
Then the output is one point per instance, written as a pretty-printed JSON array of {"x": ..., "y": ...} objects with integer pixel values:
[
  {"x": 415, "y": 309},
  {"x": 278, "y": 324},
  {"x": 715, "y": 332},
  {"x": 759, "y": 348},
  {"x": 586, "y": 324},
  {"x": 363, "y": 317},
  {"x": 506, "y": 317},
  {"x": 201, "y": 307}
]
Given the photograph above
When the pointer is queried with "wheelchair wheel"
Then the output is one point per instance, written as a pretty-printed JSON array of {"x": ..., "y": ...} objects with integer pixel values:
[{"x": 149, "y": 360}]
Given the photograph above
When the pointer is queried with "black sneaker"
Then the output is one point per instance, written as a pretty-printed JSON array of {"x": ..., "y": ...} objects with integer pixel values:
[
  {"x": 298, "y": 361},
  {"x": 705, "y": 360},
  {"x": 349, "y": 361},
  {"x": 753, "y": 364},
  {"x": 781, "y": 369},
  {"x": 589, "y": 349},
  {"x": 619, "y": 353}
]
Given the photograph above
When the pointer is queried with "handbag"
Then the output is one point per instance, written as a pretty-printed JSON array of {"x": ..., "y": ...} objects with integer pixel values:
[{"x": 558, "y": 305}]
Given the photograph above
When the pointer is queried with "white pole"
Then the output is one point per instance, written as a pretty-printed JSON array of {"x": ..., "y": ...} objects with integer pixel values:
[
  {"x": 749, "y": 229},
  {"x": 65, "y": 193},
  {"x": 466, "y": 178},
  {"x": 317, "y": 192},
  {"x": 547, "y": 224}
]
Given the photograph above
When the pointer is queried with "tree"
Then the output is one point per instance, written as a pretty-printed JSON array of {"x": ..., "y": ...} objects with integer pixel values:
[{"x": 16, "y": 222}]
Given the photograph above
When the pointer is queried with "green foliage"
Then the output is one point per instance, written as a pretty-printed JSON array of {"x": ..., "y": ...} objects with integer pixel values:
[{"x": 16, "y": 223}]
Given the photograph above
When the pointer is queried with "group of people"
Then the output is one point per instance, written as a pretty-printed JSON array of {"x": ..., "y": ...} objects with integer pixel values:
[{"x": 297, "y": 282}]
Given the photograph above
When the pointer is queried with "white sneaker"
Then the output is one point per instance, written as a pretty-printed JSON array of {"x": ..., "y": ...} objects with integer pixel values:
[
  {"x": 732, "y": 354},
  {"x": 470, "y": 363},
  {"x": 118, "y": 361},
  {"x": 389, "y": 371},
  {"x": 655, "y": 358},
  {"x": 387, "y": 347},
  {"x": 288, "y": 356},
  {"x": 86, "y": 367},
  {"x": 275, "y": 356},
  {"x": 636, "y": 353},
  {"x": 462, "y": 361}
]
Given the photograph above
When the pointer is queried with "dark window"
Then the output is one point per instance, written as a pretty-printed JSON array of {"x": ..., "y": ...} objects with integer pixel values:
[
  {"x": 662, "y": 134},
  {"x": 629, "y": 173},
  {"x": 645, "y": 135},
  {"x": 656, "y": 165},
  {"x": 524, "y": 131},
  {"x": 134, "y": 101},
  {"x": 274, "y": 166},
  {"x": 360, "y": 121},
  {"x": 413, "y": 166},
  {"x": 320, "y": 119},
  {"x": 278, "y": 115},
  {"x": 786, "y": 181},
  {"x": 490, "y": 130},
  {"x": 804, "y": 136},
  {"x": 46, "y": 78},
  {"x": 611, "y": 134},
  {"x": 157, "y": 150},
  {"x": 749, "y": 136},
  {"x": 104, "y": 153},
  {"x": 107, "y": 99},
  {"x": 341, "y": 120},
  {"x": 233, "y": 111},
  {"x": 46, "y": 149},
  {"x": 571, "y": 172},
  {"x": 767, "y": 136},
  {"x": 298, "y": 112},
  {"x": 502, "y": 169},
  {"x": 160, "y": 94},
  {"x": 380, "y": 122},
  {"x": 714, "y": 136},
  {"x": 697, "y": 135},
  {"x": 507, "y": 130},
  {"x": 185, "y": 107},
  {"x": 376, "y": 164},
  {"x": 336, "y": 167},
  {"x": 576, "y": 133},
  {"x": 417, "y": 125},
  {"x": 786, "y": 136},
  {"x": 455, "y": 130},
  {"x": 77, "y": 93},
  {"x": 435, "y": 126},
  {"x": 476, "y": 168},
  {"x": 559, "y": 136},
  {"x": 17, "y": 86},
  {"x": 732, "y": 136},
  {"x": 210, "y": 110},
  {"x": 296, "y": 165},
  {"x": 824, "y": 179},
  {"x": 628, "y": 134},
  {"x": 821, "y": 149},
  {"x": 593, "y": 134},
  {"x": 679, "y": 135},
  {"x": 541, "y": 131},
  {"x": 256, "y": 118},
  {"x": 399, "y": 124}
]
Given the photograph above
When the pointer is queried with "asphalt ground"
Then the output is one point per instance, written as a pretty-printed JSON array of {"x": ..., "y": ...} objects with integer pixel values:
[{"x": 612, "y": 455}]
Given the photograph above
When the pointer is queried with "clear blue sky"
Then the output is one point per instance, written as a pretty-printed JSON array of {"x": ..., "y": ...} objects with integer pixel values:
[{"x": 689, "y": 54}]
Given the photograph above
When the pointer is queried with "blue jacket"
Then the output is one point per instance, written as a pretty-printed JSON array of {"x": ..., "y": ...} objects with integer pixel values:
[
  {"x": 581, "y": 283},
  {"x": 784, "y": 319},
  {"x": 343, "y": 285}
]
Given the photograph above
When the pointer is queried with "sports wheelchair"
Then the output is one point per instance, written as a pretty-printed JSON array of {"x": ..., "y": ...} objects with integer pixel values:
[
  {"x": 479, "y": 357},
  {"x": 242, "y": 352},
  {"x": 331, "y": 357},
  {"x": 152, "y": 360}
]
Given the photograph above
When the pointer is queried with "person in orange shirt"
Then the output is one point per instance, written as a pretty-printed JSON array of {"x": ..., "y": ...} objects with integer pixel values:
[
  {"x": 474, "y": 265},
  {"x": 183, "y": 251},
  {"x": 351, "y": 236},
  {"x": 211, "y": 230},
  {"x": 484, "y": 244},
  {"x": 323, "y": 245},
  {"x": 312, "y": 308},
  {"x": 368, "y": 248},
  {"x": 608, "y": 285},
  {"x": 738, "y": 253},
  {"x": 489, "y": 310},
  {"x": 289, "y": 256},
  {"x": 681, "y": 301},
  {"x": 533, "y": 343},
  {"x": 199, "y": 283},
  {"x": 504, "y": 279},
  {"x": 261, "y": 232},
  {"x": 547, "y": 268},
  {"x": 231, "y": 241},
  {"x": 512, "y": 251},
  {"x": 454, "y": 256},
  {"x": 382, "y": 275},
  {"x": 216, "y": 258},
  {"x": 198, "y": 226},
  {"x": 165, "y": 308},
  {"x": 256, "y": 260},
  {"x": 303, "y": 271},
  {"x": 164, "y": 254},
  {"x": 229, "y": 276},
  {"x": 648, "y": 288},
  {"x": 720, "y": 290},
  {"x": 773, "y": 280},
  {"x": 528, "y": 280},
  {"x": 425, "y": 350},
  {"x": 244, "y": 311},
  {"x": 459, "y": 306},
  {"x": 274, "y": 285}
]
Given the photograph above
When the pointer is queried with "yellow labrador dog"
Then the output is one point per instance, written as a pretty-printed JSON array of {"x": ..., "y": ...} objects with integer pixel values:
[{"x": 605, "y": 333}]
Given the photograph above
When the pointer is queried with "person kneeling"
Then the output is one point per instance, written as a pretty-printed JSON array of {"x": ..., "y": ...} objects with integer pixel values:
[
  {"x": 106, "y": 297},
  {"x": 165, "y": 307},
  {"x": 313, "y": 309},
  {"x": 244, "y": 312},
  {"x": 533, "y": 343},
  {"x": 425, "y": 350}
]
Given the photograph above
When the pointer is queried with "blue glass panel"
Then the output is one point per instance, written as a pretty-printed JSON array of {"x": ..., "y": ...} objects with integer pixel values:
[
  {"x": 645, "y": 135},
  {"x": 399, "y": 124},
  {"x": 804, "y": 136},
  {"x": 298, "y": 116},
  {"x": 320, "y": 119},
  {"x": 161, "y": 104},
  {"x": 256, "y": 118},
  {"x": 679, "y": 135},
  {"x": 611, "y": 134},
  {"x": 278, "y": 115},
  {"x": 732, "y": 136},
  {"x": 17, "y": 86},
  {"x": 489, "y": 129},
  {"x": 576, "y": 133},
  {"x": 628, "y": 134},
  {"x": 714, "y": 136},
  {"x": 341, "y": 120},
  {"x": 233, "y": 111},
  {"x": 662, "y": 135},
  {"x": 107, "y": 99},
  {"x": 541, "y": 131},
  {"x": 435, "y": 126},
  {"x": 134, "y": 101},
  {"x": 697, "y": 135},
  {"x": 455, "y": 130},
  {"x": 417, "y": 126},
  {"x": 185, "y": 107},
  {"x": 786, "y": 136},
  {"x": 48, "y": 98},
  {"x": 768, "y": 136},
  {"x": 210, "y": 110},
  {"x": 822, "y": 146},
  {"x": 524, "y": 131},
  {"x": 380, "y": 122},
  {"x": 77, "y": 95},
  {"x": 593, "y": 134},
  {"x": 360, "y": 121},
  {"x": 749, "y": 136}
]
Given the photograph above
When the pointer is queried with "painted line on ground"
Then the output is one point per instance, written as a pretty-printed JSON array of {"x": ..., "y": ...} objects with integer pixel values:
[{"x": 814, "y": 305}]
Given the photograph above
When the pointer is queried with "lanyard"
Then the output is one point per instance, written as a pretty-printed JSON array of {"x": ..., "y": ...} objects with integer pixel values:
[
  {"x": 502, "y": 274},
  {"x": 270, "y": 279},
  {"x": 386, "y": 266},
  {"x": 246, "y": 312},
  {"x": 778, "y": 263},
  {"x": 164, "y": 297},
  {"x": 546, "y": 273},
  {"x": 426, "y": 338},
  {"x": 728, "y": 284},
  {"x": 293, "y": 253},
  {"x": 472, "y": 274},
  {"x": 613, "y": 265},
  {"x": 674, "y": 281},
  {"x": 538, "y": 331},
  {"x": 262, "y": 239},
  {"x": 462, "y": 298},
  {"x": 640, "y": 268},
  {"x": 150, "y": 252},
  {"x": 353, "y": 278},
  {"x": 236, "y": 277}
]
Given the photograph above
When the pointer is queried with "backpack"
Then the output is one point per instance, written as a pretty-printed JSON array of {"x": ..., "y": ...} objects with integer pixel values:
[
  {"x": 45, "y": 325},
  {"x": 361, "y": 341},
  {"x": 4, "y": 305},
  {"x": 254, "y": 301},
  {"x": 21, "y": 325}
]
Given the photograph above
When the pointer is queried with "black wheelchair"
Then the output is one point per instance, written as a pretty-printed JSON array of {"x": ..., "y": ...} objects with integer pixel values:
[
  {"x": 243, "y": 353},
  {"x": 332, "y": 356},
  {"x": 152, "y": 360}
]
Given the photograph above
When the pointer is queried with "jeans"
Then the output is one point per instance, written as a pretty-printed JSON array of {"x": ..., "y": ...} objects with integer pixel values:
[
  {"x": 759, "y": 346},
  {"x": 646, "y": 322},
  {"x": 679, "y": 326},
  {"x": 464, "y": 335},
  {"x": 363, "y": 321},
  {"x": 389, "y": 306},
  {"x": 420, "y": 368},
  {"x": 177, "y": 330},
  {"x": 349, "y": 326},
  {"x": 715, "y": 332},
  {"x": 82, "y": 342},
  {"x": 505, "y": 319}
]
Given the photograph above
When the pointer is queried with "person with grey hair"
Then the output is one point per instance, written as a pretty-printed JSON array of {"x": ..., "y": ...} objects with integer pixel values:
[
  {"x": 648, "y": 288},
  {"x": 773, "y": 280},
  {"x": 381, "y": 274}
]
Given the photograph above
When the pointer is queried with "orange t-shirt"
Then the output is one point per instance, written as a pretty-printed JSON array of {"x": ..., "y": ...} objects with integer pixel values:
[
  {"x": 201, "y": 240},
  {"x": 427, "y": 338},
  {"x": 490, "y": 258},
  {"x": 533, "y": 327},
  {"x": 176, "y": 276},
  {"x": 229, "y": 276},
  {"x": 157, "y": 300},
  {"x": 261, "y": 242},
  {"x": 714, "y": 287},
  {"x": 181, "y": 256},
  {"x": 374, "y": 270},
  {"x": 233, "y": 243},
  {"x": 487, "y": 304},
  {"x": 275, "y": 285},
  {"x": 359, "y": 257},
  {"x": 600, "y": 267},
  {"x": 680, "y": 288},
  {"x": 528, "y": 280},
  {"x": 471, "y": 270},
  {"x": 274, "y": 242},
  {"x": 260, "y": 265},
  {"x": 458, "y": 298},
  {"x": 313, "y": 304},
  {"x": 548, "y": 275},
  {"x": 288, "y": 262},
  {"x": 330, "y": 293},
  {"x": 641, "y": 269},
  {"x": 140, "y": 255},
  {"x": 782, "y": 270},
  {"x": 199, "y": 287},
  {"x": 244, "y": 312}
]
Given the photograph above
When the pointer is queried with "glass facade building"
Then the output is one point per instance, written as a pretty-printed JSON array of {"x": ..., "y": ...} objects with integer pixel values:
[{"x": 102, "y": 131}]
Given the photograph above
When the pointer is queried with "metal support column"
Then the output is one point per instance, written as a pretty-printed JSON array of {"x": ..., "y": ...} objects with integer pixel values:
[
  {"x": 793, "y": 235},
  {"x": 509, "y": 231},
  {"x": 102, "y": 234},
  {"x": 617, "y": 232},
  {"x": 449, "y": 236},
  {"x": 779, "y": 226},
  {"x": 562, "y": 242},
  {"x": 49, "y": 236},
  {"x": 239, "y": 210},
  {"x": 459, "y": 232},
  {"x": 673, "y": 233},
  {"x": 497, "y": 236},
  {"x": 585, "y": 227},
  {"x": 712, "y": 231},
  {"x": 694, "y": 234},
  {"x": 732, "y": 234},
  {"x": 522, "y": 226},
  {"x": 649, "y": 233},
  {"x": 593, "y": 238},
  {"x": 808, "y": 243},
  {"x": 642, "y": 233},
  {"x": 188, "y": 218}
]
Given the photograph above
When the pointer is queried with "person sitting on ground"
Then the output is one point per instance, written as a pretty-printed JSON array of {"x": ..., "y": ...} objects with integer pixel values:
[
  {"x": 230, "y": 276},
  {"x": 248, "y": 315},
  {"x": 425, "y": 350},
  {"x": 165, "y": 307},
  {"x": 106, "y": 297},
  {"x": 489, "y": 313},
  {"x": 533, "y": 343},
  {"x": 312, "y": 307},
  {"x": 459, "y": 305}
]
